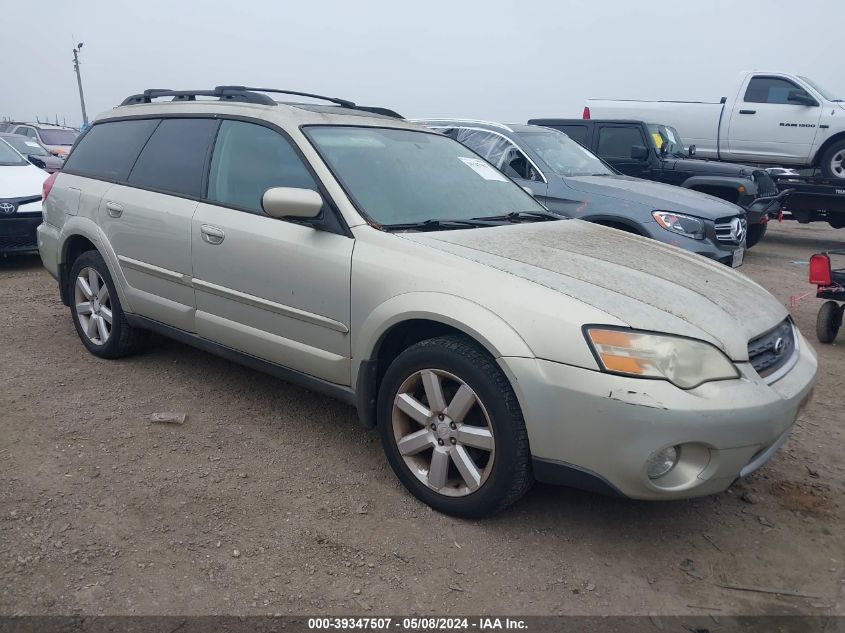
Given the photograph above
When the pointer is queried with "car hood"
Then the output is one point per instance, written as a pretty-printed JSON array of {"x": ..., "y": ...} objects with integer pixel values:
[
  {"x": 643, "y": 283},
  {"x": 708, "y": 167},
  {"x": 19, "y": 181},
  {"x": 654, "y": 195}
]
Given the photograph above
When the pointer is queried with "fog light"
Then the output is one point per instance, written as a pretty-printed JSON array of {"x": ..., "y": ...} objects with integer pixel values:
[{"x": 662, "y": 462}]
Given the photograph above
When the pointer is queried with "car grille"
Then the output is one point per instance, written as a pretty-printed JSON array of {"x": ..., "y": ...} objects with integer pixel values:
[
  {"x": 772, "y": 350},
  {"x": 765, "y": 185},
  {"x": 18, "y": 241},
  {"x": 729, "y": 232}
]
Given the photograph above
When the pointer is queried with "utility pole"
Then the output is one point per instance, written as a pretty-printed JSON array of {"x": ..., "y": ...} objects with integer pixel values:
[{"x": 79, "y": 82}]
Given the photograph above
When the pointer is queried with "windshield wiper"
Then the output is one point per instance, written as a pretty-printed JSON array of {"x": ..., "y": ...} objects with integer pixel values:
[
  {"x": 434, "y": 225},
  {"x": 521, "y": 216}
]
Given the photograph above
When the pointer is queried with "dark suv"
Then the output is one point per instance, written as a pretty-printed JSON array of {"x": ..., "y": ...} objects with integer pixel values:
[
  {"x": 572, "y": 181},
  {"x": 656, "y": 152}
]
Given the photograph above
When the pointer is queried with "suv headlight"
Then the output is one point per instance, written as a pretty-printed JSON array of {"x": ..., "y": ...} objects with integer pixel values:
[
  {"x": 684, "y": 362},
  {"x": 680, "y": 223}
]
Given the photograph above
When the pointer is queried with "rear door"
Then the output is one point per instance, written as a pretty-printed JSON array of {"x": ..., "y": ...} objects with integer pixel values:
[
  {"x": 275, "y": 289},
  {"x": 147, "y": 216},
  {"x": 615, "y": 142},
  {"x": 765, "y": 126}
]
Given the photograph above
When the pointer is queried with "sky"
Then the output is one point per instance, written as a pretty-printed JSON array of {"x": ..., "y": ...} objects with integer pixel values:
[{"x": 484, "y": 59}]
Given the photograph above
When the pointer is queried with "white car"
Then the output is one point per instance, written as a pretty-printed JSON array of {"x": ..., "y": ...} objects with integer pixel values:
[
  {"x": 369, "y": 258},
  {"x": 20, "y": 201},
  {"x": 767, "y": 117}
]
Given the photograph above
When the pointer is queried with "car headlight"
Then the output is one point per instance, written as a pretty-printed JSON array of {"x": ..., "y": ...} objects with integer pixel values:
[
  {"x": 684, "y": 362},
  {"x": 680, "y": 223}
]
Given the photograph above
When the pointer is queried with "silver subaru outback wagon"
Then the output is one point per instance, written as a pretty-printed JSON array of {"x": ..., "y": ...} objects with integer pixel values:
[{"x": 492, "y": 343}]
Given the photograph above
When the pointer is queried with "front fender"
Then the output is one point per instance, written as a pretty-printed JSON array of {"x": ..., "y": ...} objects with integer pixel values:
[
  {"x": 731, "y": 183},
  {"x": 476, "y": 321}
]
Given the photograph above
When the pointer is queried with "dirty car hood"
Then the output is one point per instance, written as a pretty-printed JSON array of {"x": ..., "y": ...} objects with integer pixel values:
[
  {"x": 654, "y": 195},
  {"x": 641, "y": 282}
]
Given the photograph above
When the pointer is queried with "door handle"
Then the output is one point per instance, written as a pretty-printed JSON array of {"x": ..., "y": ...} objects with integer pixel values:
[
  {"x": 211, "y": 234},
  {"x": 114, "y": 209},
  {"x": 748, "y": 111}
]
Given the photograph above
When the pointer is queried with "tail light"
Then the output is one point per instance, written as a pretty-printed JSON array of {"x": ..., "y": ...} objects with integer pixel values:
[
  {"x": 586, "y": 112},
  {"x": 820, "y": 270},
  {"x": 47, "y": 186}
]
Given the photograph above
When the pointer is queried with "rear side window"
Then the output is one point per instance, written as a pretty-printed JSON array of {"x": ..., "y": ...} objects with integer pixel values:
[
  {"x": 108, "y": 150},
  {"x": 769, "y": 90},
  {"x": 248, "y": 160},
  {"x": 173, "y": 160},
  {"x": 617, "y": 141}
]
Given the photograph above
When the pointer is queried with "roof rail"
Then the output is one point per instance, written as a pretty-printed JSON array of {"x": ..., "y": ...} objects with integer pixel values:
[
  {"x": 244, "y": 94},
  {"x": 490, "y": 123}
]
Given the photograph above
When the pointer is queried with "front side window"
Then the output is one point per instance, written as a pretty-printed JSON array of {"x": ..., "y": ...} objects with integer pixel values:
[
  {"x": 174, "y": 157},
  {"x": 564, "y": 156},
  {"x": 108, "y": 150},
  {"x": 769, "y": 90},
  {"x": 9, "y": 157},
  {"x": 248, "y": 160},
  {"x": 398, "y": 176},
  {"x": 617, "y": 141}
]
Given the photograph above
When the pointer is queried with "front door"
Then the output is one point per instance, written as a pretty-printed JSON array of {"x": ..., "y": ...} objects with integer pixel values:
[{"x": 275, "y": 289}]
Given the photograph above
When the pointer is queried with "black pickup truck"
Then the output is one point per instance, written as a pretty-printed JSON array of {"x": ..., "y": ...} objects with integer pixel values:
[{"x": 656, "y": 152}]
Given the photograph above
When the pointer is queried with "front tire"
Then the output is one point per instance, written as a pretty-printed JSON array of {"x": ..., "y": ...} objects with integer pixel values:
[
  {"x": 452, "y": 428},
  {"x": 833, "y": 161},
  {"x": 96, "y": 311},
  {"x": 829, "y": 321},
  {"x": 755, "y": 234}
]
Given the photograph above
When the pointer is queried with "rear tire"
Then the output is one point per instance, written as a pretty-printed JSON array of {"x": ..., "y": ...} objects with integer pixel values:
[
  {"x": 829, "y": 321},
  {"x": 464, "y": 448},
  {"x": 755, "y": 234},
  {"x": 96, "y": 311},
  {"x": 833, "y": 161}
]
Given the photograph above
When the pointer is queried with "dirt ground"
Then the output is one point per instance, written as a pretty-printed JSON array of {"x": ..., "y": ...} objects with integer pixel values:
[{"x": 270, "y": 500}]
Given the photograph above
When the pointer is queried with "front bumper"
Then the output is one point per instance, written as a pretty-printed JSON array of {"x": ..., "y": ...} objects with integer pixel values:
[
  {"x": 597, "y": 430},
  {"x": 18, "y": 233},
  {"x": 709, "y": 247}
]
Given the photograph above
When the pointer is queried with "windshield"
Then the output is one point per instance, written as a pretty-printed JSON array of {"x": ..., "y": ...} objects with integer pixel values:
[
  {"x": 404, "y": 176},
  {"x": 564, "y": 156},
  {"x": 825, "y": 93},
  {"x": 58, "y": 137},
  {"x": 25, "y": 146},
  {"x": 664, "y": 135},
  {"x": 9, "y": 157}
]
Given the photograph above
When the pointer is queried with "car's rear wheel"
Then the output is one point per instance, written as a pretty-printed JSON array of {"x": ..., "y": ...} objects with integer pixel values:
[
  {"x": 452, "y": 428},
  {"x": 755, "y": 234},
  {"x": 96, "y": 311},
  {"x": 829, "y": 321}
]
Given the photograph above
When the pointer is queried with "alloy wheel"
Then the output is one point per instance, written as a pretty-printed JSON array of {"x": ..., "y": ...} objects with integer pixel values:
[
  {"x": 92, "y": 303},
  {"x": 837, "y": 164},
  {"x": 443, "y": 432}
]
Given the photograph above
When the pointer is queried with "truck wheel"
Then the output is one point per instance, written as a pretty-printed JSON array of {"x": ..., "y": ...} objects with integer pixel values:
[
  {"x": 828, "y": 322},
  {"x": 452, "y": 428},
  {"x": 755, "y": 234},
  {"x": 833, "y": 161}
]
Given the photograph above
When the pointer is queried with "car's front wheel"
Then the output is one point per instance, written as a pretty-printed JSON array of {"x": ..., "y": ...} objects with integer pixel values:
[{"x": 452, "y": 428}]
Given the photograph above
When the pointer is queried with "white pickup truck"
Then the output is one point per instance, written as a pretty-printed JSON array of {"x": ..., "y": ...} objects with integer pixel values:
[{"x": 770, "y": 118}]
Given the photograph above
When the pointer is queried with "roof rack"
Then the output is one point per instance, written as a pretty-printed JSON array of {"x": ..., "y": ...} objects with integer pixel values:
[{"x": 243, "y": 94}]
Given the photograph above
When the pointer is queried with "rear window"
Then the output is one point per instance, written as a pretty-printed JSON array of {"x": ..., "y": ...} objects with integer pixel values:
[
  {"x": 108, "y": 150},
  {"x": 174, "y": 157},
  {"x": 58, "y": 137}
]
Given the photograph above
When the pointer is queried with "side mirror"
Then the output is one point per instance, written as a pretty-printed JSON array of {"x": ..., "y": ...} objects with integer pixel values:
[
  {"x": 639, "y": 152},
  {"x": 801, "y": 98},
  {"x": 288, "y": 202},
  {"x": 691, "y": 150}
]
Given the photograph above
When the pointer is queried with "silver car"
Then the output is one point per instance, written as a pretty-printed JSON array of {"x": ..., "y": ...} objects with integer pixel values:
[{"x": 491, "y": 343}]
